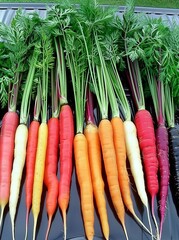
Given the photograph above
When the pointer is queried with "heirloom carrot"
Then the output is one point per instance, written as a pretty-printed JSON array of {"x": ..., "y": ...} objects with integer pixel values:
[
  {"x": 21, "y": 140},
  {"x": 76, "y": 60},
  {"x": 132, "y": 149},
  {"x": 30, "y": 156},
  {"x": 51, "y": 161},
  {"x": 66, "y": 135},
  {"x": 15, "y": 38},
  {"x": 95, "y": 159},
  {"x": 47, "y": 64}
]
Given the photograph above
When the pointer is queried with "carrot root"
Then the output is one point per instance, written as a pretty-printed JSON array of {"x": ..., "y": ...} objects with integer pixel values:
[
  {"x": 2, "y": 213},
  {"x": 64, "y": 224},
  {"x": 13, "y": 230},
  {"x": 141, "y": 223},
  {"x": 26, "y": 225},
  {"x": 154, "y": 218},
  {"x": 125, "y": 231},
  {"x": 35, "y": 226},
  {"x": 150, "y": 225},
  {"x": 48, "y": 227}
]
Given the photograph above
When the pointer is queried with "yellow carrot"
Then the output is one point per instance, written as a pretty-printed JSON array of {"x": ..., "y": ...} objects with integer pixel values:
[{"x": 39, "y": 172}]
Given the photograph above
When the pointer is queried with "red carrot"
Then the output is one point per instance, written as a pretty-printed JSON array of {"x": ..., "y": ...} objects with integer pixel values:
[
  {"x": 9, "y": 124},
  {"x": 145, "y": 133},
  {"x": 50, "y": 177},
  {"x": 147, "y": 142},
  {"x": 30, "y": 165},
  {"x": 66, "y": 147},
  {"x": 66, "y": 134}
]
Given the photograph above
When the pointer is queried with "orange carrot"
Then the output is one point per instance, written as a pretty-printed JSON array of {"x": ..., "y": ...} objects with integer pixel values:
[
  {"x": 109, "y": 157},
  {"x": 84, "y": 180},
  {"x": 92, "y": 136},
  {"x": 120, "y": 149}
]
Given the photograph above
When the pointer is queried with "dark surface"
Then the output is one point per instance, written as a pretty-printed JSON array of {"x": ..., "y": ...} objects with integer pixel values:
[{"x": 75, "y": 228}]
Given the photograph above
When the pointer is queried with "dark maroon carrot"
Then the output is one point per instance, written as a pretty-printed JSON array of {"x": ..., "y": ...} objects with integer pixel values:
[{"x": 163, "y": 157}]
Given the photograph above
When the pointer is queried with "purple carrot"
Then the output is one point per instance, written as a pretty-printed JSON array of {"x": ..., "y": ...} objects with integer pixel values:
[
  {"x": 162, "y": 154},
  {"x": 163, "y": 158}
]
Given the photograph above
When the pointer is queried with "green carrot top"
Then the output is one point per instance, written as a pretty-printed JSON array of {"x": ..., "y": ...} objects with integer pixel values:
[{"x": 18, "y": 42}]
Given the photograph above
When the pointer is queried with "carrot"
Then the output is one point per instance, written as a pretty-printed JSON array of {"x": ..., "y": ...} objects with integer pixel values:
[
  {"x": 157, "y": 93},
  {"x": 134, "y": 157},
  {"x": 21, "y": 140},
  {"x": 39, "y": 171},
  {"x": 91, "y": 134},
  {"x": 50, "y": 177},
  {"x": 16, "y": 175},
  {"x": 95, "y": 160},
  {"x": 109, "y": 157},
  {"x": 162, "y": 152},
  {"x": 147, "y": 143},
  {"x": 9, "y": 124},
  {"x": 66, "y": 135},
  {"x": 46, "y": 54},
  {"x": 126, "y": 142},
  {"x": 84, "y": 180},
  {"x": 15, "y": 37},
  {"x": 66, "y": 147},
  {"x": 77, "y": 63},
  {"x": 30, "y": 165},
  {"x": 30, "y": 157}
]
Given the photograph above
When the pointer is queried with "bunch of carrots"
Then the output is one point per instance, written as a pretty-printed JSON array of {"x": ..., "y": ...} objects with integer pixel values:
[{"x": 64, "y": 71}]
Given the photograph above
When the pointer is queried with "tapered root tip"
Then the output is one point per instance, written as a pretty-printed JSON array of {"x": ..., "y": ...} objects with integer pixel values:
[
  {"x": 2, "y": 213},
  {"x": 125, "y": 232},
  {"x": 48, "y": 227},
  {"x": 13, "y": 234},
  {"x": 26, "y": 225},
  {"x": 155, "y": 221},
  {"x": 35, "y": 226},
  {"x": 64, "y": 224},
  {"x": 161, "y": 229},
  {"x": 141, "y": 223}
]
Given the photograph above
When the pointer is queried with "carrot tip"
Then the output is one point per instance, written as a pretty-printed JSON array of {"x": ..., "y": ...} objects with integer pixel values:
[
  {"x": 26, "y": 226},
  {"x": 35, "y": 225},
  {"x": 48, "y": 227},
  {"x": 64, "y": 224},
  {"x": 2, "y": 213},
  {"x": 13, "y": 233},
  {"x": 155, "y": 221},
  {"x": 125, "y": 231}
]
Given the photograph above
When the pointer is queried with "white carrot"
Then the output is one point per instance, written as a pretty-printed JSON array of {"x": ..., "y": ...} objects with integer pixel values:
[{"x": 16, "y": 175}]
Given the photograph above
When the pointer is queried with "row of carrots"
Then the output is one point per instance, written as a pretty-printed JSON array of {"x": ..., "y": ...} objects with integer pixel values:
[{"x": 82, "y": 49}]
